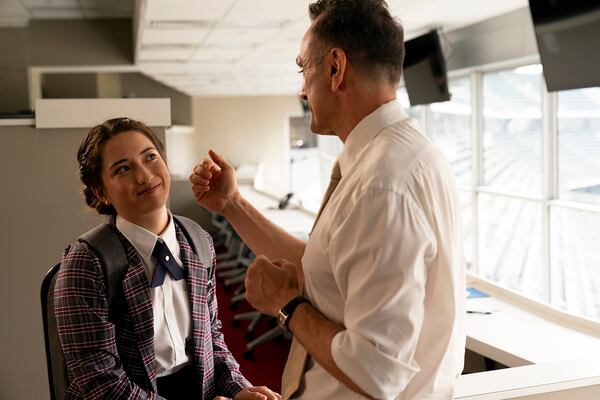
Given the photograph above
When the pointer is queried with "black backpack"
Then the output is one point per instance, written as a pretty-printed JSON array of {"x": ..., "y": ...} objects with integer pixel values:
[{"x": 104, "y": 239}]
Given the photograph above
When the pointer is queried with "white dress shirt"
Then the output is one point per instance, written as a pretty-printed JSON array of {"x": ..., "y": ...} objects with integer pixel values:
[
  {"x": 385, "y": 260},
  {"x": 170, "y": 304}
]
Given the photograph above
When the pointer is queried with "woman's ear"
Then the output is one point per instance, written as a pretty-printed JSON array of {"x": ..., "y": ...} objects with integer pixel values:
[{"x": 99, "y": 193}]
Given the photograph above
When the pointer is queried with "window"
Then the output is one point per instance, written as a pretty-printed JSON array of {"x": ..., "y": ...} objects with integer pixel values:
[
  {"x": 512, "y": 135},
  {"x": 575, "y": 230},
  {"x": 451, "y": 129},
  {"x": 466, "y": 202},
  {"x": 529, "y": 226},
  {"x": 575, "y": 255},
  {"x": 510, "y": 243},
  {"x": 579, "y": 145}
]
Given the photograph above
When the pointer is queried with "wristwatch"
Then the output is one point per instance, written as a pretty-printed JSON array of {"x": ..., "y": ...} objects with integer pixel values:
[{"x": 286, "y": 311}]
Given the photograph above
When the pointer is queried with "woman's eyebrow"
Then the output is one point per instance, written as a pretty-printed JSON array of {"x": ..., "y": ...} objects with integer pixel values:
[
  {"x": 118, "y": 162},
  {"x": 148, "y": 149},
  {"x": 125, "y": 159}
]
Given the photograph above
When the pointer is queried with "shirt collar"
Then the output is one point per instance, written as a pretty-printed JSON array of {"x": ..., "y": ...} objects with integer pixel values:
[
  {"x": 143, "y": 240},
  {"x": 367, "y": 129}
]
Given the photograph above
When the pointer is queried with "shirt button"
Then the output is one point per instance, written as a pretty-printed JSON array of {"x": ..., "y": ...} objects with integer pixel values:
[{"x": 166, "y": 258}]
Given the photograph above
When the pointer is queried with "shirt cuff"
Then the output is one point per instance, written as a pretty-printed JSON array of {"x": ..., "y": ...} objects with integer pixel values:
[
  {"x": 234, "y": 387},
  {"x": 377, "y": 373}
]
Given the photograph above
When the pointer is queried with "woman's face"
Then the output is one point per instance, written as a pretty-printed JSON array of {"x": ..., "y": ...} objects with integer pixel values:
[{"x": 135, "y": 178}]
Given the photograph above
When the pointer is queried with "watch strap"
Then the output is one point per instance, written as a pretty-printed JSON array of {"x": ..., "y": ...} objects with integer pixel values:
[{"x": 286, "y": 311}]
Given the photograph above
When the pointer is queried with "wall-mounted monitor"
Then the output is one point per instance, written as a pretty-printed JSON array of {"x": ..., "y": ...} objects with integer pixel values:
[
  {"x": 425, "y": 70},
  {"x": 568, "y": 37}
]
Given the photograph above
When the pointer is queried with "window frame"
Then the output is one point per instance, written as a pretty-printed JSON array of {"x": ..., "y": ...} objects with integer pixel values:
[{"x": 550, "y": 190}]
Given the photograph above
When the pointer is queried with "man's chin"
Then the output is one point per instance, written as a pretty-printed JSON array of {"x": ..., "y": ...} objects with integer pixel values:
[{"x": 314, "y": 128}]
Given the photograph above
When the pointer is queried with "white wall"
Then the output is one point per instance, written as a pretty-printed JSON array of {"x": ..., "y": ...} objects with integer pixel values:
[{"x": 248, "y": 130}]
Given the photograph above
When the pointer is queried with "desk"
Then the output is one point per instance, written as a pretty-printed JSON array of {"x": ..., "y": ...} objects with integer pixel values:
[
  {"x": 294, "y": 220},
  {"x": 553, "y": 355},
  {"x": 522, "y": 332},
  {"x": 567, "y": 380}
]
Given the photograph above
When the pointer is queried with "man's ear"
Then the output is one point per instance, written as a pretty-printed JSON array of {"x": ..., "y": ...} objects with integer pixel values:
[{"x": 337, "y": 65}]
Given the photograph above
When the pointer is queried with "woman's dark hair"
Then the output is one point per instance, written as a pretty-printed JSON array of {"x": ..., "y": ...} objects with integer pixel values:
[
  {"x": 89, "y": 157},
  {"x": 371, "y": 38}
]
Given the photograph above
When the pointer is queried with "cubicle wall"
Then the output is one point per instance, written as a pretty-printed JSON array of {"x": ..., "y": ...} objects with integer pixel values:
[{"x": 42, "y": 211}]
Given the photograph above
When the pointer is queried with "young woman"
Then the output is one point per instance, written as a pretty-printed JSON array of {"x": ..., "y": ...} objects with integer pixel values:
[{"x": 165, "y": 341}]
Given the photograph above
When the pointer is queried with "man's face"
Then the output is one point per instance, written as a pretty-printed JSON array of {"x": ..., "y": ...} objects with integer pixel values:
[{"x": 315, "y": 88}]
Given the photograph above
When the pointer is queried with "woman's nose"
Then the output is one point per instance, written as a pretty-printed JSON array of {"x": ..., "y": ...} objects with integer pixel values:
[{"x": 143, "y": 175}]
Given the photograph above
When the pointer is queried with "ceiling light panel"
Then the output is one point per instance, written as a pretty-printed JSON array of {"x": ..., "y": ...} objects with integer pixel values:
[
  {"x": 291, "y": 37},
  {"x": 106, "y": 8},
  {"x": 53, "y": 9},
  {"x": 192, "y": 67},
  {"x": 268, "y": 70},
  {"x": 275, "y": 55},
  {"x": 187, "y": 80},
  {"x": 178, "y": 54},
  {"x": 193, "y": 36},
  {"x": 248, "y": 47},
  {"x": 187, "y": 10},
  {"x": 49, "y": 3},
  {"x": 267, "y": 10},
  {"x": 229, "y": 36},
  {"x": 218, "y": 54}
]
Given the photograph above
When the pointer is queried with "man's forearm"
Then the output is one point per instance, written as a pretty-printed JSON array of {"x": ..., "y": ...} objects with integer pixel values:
[
  {"x": 260, "y": 234},
  {"x": 315, "y": 332}
]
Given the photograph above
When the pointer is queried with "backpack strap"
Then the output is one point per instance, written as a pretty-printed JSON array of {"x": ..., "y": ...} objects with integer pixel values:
[
  {"x": 198, "y": 241},
  {"x": 105, "y": 240}
]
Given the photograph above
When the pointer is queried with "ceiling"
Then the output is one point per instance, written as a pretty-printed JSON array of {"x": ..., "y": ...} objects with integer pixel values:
[{"x": 234, "y": 47}]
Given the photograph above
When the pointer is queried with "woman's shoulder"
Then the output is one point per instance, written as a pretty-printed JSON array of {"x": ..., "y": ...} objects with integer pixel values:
[
  {"x": 191, "y": 227},
  {"x": 79, "y": 256}
]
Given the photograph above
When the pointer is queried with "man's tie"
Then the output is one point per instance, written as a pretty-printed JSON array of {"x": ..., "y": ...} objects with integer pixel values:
[
  {"x": 296, "y": 362},
  {"x": 164, "y": 262}
]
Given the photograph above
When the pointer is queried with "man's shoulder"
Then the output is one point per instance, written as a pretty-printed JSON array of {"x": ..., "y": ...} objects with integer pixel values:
[{"x": 399, "y": 154}]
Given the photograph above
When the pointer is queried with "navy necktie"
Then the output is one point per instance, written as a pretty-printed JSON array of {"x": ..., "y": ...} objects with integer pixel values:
[{"x": 164, "y": 262}]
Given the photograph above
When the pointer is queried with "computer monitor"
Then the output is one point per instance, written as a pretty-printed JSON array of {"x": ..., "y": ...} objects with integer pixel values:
[
  {"x": 568, "y": 38},
  {"x": 425, "y": 70}
]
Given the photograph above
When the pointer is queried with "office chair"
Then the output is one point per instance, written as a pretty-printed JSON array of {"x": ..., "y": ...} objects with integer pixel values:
[
  {"x": 55, "y": 360},
  {"x": 275, "y": 333}
]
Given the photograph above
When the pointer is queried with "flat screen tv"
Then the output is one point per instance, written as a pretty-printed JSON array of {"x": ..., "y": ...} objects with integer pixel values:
[
  {"x": 425, "y": 70},
  {"x": 568, "y": 38}
]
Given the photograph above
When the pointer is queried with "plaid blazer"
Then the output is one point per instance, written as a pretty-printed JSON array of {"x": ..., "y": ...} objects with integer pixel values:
[{"x": 113, "y": 358}]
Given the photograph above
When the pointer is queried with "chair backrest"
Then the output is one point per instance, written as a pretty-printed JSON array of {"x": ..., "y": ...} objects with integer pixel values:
[{"x": 57, "y": 367}]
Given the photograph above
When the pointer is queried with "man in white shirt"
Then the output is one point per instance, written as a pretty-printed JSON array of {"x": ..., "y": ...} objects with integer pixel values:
[{"x": 376, "y": 295}]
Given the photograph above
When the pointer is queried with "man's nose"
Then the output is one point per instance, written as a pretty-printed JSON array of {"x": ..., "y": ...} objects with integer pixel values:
[{"x": 303, "y": 93}]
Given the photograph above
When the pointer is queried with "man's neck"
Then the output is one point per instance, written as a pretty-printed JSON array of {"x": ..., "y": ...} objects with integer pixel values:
[{"x": 362, "y": 103}]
